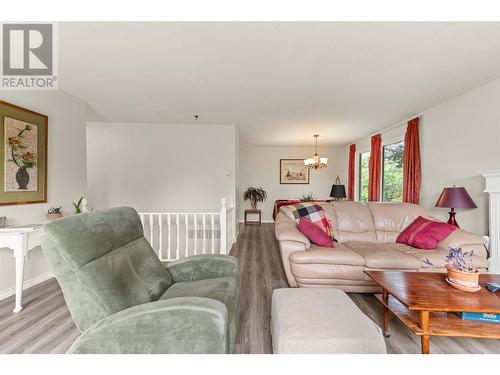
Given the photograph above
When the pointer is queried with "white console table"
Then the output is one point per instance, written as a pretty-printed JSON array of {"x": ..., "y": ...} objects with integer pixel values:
[{"x": 21, "y": 240}]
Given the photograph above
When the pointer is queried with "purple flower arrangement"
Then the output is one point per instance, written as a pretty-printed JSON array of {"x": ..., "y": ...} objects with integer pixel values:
[{"x": 458, "y": 260}]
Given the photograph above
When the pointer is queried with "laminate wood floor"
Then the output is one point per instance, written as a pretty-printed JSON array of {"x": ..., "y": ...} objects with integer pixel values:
[{"x": 45, "y": 325}]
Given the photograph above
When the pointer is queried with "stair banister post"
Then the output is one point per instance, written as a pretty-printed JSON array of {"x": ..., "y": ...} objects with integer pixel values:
[{"x": 223, "y": 232}]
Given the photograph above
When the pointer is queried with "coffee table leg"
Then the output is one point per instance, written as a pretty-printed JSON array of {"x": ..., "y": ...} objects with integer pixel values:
[
  {"x": 424, "y": 325},
  {"x": 385, "y": 297}
]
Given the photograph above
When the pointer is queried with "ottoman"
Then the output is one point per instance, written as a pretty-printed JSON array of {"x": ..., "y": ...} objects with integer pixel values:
[{"x": 322, "y": 321}]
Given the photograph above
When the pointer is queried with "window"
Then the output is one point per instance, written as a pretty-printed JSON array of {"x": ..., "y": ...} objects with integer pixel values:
[
  {"x": 392, "y": 172},
  {"x": 363, "y": 176}
]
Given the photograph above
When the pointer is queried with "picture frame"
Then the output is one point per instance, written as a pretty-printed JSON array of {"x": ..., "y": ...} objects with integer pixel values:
[
  {"x": 23, "y": 155},
  {"x": 293, "y": 172}
]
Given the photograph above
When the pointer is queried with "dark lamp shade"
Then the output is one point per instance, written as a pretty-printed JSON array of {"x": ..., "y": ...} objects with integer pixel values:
[
  {"x": 338, "y": 191},
  {"x": 455, "y": 197}
]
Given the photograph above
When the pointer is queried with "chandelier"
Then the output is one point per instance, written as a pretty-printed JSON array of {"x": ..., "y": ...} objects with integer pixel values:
[{"x": 316, "y": 162}]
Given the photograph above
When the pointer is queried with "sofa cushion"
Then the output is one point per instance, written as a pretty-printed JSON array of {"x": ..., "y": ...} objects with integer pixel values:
[
  {"x": 424, "y": 233},
  {"x": 222, "y": 289},
  {"x": 285, "y": 229},
  {"x": 354, "y": 222},
  {"x": 437, "y": 258},
  {"x": 287, "y": 212},
  {"x": 103, "y": 263},
  {"x": 83, "y": 238},
  {"x": 385, "y": 255},
  {"x": 341, "y": 254},
  {"x": 314, "y": 233},
  {"x": 460, "y": 238},
  {"x": 391, "y": 218}
]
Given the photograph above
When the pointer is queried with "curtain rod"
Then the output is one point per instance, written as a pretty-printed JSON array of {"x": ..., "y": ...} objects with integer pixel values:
[{"x": 384, "y": 130}]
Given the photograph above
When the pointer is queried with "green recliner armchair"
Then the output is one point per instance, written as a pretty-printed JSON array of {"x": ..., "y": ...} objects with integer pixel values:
[{"x": 123, "y": 299}]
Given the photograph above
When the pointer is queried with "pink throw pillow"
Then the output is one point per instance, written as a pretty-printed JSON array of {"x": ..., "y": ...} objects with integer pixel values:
[
  {"x": 315, "y": 234},
  {"x": 425, "y": 234}
]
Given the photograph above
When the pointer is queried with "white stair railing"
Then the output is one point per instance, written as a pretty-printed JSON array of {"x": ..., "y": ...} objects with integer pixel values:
[{"x": 176, "y": 235}]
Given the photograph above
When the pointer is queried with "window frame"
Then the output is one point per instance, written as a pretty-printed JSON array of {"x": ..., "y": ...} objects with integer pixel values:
[{"x": 357, "y": 165}]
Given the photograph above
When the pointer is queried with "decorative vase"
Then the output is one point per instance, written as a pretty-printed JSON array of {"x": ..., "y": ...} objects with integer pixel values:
[
  {"x": 466, "y": 279},
  {"x": 22, "y": 178},
  {"x": 54, "y": 215}
]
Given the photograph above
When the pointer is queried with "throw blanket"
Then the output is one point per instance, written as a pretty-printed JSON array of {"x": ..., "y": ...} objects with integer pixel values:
[{"x": 314, "y": 213}]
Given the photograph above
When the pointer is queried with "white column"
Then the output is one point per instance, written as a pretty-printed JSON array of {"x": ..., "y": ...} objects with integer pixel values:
[{"x": 493, "y": 189}]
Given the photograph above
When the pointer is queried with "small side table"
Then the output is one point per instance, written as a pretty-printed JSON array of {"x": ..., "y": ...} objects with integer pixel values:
[
  {"x": 21, "y": 240},
  {"x": 252, "y": 211}
]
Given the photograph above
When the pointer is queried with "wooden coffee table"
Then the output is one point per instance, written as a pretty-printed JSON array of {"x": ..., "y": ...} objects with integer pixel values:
[{"x": 425, "y": 303}]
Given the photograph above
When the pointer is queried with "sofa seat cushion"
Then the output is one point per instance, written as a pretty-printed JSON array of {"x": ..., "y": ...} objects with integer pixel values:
[
  {"x": 222, "y": 289},
  {"x": 385, "y": 255},
  {"x": 326, "y": 263},
  {"x": 340, "y": 254},
  {"x": 437, "y": 258}
]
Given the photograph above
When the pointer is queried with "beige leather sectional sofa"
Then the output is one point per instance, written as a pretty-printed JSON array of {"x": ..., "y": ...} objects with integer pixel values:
[{"x": 367, "y": 236}]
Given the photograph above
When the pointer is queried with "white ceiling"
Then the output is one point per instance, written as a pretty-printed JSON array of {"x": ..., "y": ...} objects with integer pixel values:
[{"x": 278, "y": 82}]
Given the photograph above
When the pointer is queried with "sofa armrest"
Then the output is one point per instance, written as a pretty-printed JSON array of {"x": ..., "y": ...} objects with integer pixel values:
[
  {"x": 462, "y": 238},
  {"x": 201, "y": 267},
  {"x": 175, "y": 325},
  {"x": 285, "y": 229}
]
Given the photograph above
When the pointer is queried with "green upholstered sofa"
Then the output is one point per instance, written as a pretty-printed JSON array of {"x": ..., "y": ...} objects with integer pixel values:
[{"x": 123, "y": 299}]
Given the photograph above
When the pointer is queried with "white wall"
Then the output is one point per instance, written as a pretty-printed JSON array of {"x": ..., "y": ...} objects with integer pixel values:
[
  {"x": 66, "y": 178},
  {"x": 457, "y": 139},
  {"x": 161, "y": 166},
  {"x": 260, "y": 166}
]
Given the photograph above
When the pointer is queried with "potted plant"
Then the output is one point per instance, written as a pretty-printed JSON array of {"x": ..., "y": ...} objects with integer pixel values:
[
  {"x": 307, "y": 197},
  {"x": 461, "y": 272},
  {"x": 255, "y": 195},
  {"x": 78, "y": 206},
  {"x": 54, "y": 213}
]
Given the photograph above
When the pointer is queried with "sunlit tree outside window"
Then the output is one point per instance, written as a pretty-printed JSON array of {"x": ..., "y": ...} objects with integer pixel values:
[
  {"x": 392, "y": 172},
  {"x": 363, "y": 176}
]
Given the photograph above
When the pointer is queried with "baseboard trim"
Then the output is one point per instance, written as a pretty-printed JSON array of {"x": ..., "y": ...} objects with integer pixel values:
[
  {"x": 27, "y": 284},
  {"x": 263, "y": 222}
]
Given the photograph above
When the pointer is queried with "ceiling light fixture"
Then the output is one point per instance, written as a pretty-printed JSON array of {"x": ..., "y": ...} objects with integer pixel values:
[{"x": 316, "y": 162}]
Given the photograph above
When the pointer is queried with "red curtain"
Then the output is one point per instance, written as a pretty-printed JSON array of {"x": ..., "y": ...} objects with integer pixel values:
[
  {"x": 375, "y": 168},
  {"x": 411, "y": 164},
  {"x": 350, "y": 176}
]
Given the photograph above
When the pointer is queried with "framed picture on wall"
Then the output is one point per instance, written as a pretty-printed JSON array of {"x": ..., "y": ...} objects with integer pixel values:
[
  {"x": 293, "y": 171},
  {"x": 23, "y": 155}
]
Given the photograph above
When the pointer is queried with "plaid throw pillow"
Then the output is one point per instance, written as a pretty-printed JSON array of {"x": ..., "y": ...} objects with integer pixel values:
[{"x": 314, "y": 213}]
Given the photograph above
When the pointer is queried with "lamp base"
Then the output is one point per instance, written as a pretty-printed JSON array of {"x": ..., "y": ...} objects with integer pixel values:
[{"x": 452, "y": 219}]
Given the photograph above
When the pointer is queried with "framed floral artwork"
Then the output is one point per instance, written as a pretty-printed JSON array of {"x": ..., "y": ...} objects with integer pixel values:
[
  {"x": 293, "y": 171},
  {"x": 23, "y": 155}
]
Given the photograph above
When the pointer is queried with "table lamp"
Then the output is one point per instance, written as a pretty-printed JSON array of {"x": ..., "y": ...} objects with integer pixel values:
[
  {"x": 455, "y": 197},
  {"x": 338, "y": 190}
]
